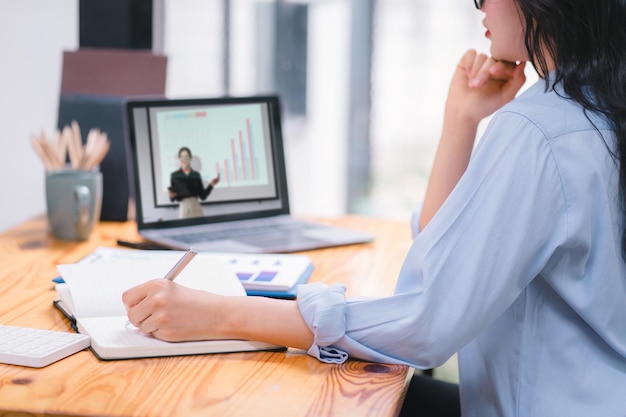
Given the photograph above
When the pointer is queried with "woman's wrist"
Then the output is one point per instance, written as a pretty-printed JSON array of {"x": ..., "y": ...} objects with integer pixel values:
[
  {"x": 262, "y": 319},
  {"x": 230, "y": 321}
]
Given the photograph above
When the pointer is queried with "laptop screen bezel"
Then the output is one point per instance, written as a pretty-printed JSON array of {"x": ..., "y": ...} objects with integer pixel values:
[{"x": 275, "y": 125}]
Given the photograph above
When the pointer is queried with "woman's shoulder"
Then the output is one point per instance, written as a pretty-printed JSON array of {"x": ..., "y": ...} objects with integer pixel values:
[{"x": 551, "y": 111}]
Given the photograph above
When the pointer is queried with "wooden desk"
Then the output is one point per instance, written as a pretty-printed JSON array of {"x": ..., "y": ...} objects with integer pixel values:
[{"x": 237, "y": 384}]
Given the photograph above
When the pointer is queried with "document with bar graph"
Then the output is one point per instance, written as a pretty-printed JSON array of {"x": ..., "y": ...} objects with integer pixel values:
[{"x": 270, "y": 275}]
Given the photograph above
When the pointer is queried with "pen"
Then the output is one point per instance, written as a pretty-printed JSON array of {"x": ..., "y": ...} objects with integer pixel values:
[
  {"x": 178, "y": 267},
  {"x": 181, "y": 264}
]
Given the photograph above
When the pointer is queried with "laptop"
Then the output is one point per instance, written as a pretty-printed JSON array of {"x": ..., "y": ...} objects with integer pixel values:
[{"x": 235, "y": 139}]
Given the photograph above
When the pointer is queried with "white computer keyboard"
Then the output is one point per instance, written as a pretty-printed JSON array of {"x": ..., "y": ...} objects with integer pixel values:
[{"x": 37, "y": 348}]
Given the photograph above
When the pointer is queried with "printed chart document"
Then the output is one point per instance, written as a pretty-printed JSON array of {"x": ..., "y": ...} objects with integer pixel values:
[
  {"x": 270, "y": 275},
  {"x": 92, "y": 294}
]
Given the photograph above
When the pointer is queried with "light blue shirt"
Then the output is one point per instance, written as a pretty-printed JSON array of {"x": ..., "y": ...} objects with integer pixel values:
[{"x": 519, "y": 272}]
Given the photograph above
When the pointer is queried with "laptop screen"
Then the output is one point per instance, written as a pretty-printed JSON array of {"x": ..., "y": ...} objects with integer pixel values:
[{"x": 177, "y": 148}]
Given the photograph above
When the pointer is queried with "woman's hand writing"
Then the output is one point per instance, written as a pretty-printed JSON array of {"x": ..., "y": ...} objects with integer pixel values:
[{"x": 172, "y": 312}]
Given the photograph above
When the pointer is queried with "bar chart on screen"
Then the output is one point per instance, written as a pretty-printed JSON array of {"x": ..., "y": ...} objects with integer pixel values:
[
  {"x": 243, "y": 165},
  {"x": 228, "y": 140}
]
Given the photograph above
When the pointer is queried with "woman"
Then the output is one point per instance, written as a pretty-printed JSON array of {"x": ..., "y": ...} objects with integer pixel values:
[
  {"x": 518, "y": 264},
  {"x": 186, "y": 187}
]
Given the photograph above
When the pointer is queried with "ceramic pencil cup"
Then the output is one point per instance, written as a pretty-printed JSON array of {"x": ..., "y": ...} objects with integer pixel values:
[{"x": 74, "y": 202}]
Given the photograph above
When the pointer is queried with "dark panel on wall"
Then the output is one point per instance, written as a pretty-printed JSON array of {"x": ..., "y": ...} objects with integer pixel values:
[
  {"x": 291, "y": 56},
  {"x": 115, "y": 24}
]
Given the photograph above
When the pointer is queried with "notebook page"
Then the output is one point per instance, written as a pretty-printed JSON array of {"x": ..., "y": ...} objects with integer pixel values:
[
  {"x": 112, "y": 339},
  {"x": 108, "y": 254},
  {"x": 96, "y": 288}
]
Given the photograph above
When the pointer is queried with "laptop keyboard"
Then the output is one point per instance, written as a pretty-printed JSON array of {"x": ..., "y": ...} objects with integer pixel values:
[{"x": 251, "y": 235}]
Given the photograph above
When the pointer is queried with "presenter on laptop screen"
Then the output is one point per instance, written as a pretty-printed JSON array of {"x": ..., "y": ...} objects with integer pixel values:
[
  {"x": 529, "y": 287},
  {"x": 186, "y": 187}
]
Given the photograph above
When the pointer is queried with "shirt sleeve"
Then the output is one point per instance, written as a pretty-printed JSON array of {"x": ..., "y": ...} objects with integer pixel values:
[
  {"x": 496, "y": 232},
  {"x": 415, "y": 220},
  {"x": 204, "y": 192}
]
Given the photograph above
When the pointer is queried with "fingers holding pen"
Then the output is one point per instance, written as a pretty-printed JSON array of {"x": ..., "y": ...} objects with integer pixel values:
[
  {"x": 144, "y": 301},
  {"x": 172, "y": 312}
]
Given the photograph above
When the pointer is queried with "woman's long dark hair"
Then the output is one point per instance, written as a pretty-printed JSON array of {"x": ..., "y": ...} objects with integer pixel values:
[{"x": 587, "y": 41}]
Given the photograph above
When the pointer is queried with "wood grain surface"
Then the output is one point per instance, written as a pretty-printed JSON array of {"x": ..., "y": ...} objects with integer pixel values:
[{"x": 287, "y": 383}]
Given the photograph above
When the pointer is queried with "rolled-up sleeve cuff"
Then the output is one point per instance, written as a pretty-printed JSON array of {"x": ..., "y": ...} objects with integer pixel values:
[
  {"x": 327, "y": 354},
  {"x": 323, "y": 308}
]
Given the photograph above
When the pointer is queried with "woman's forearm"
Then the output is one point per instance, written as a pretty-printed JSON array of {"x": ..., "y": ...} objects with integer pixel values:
[
  {"x": 451, "y": 160},
  {"x": 266, "y": 319}
]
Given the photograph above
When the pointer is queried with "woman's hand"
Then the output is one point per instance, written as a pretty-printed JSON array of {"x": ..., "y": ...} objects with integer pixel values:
[
  {"x": 172, "y": 312},
  {"x": 481, "y": 85}
]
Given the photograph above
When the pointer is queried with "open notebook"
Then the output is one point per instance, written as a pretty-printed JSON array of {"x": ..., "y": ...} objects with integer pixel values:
[
  {"x": 237, "y": 138},
  {"x": 92, "y": 298}
]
